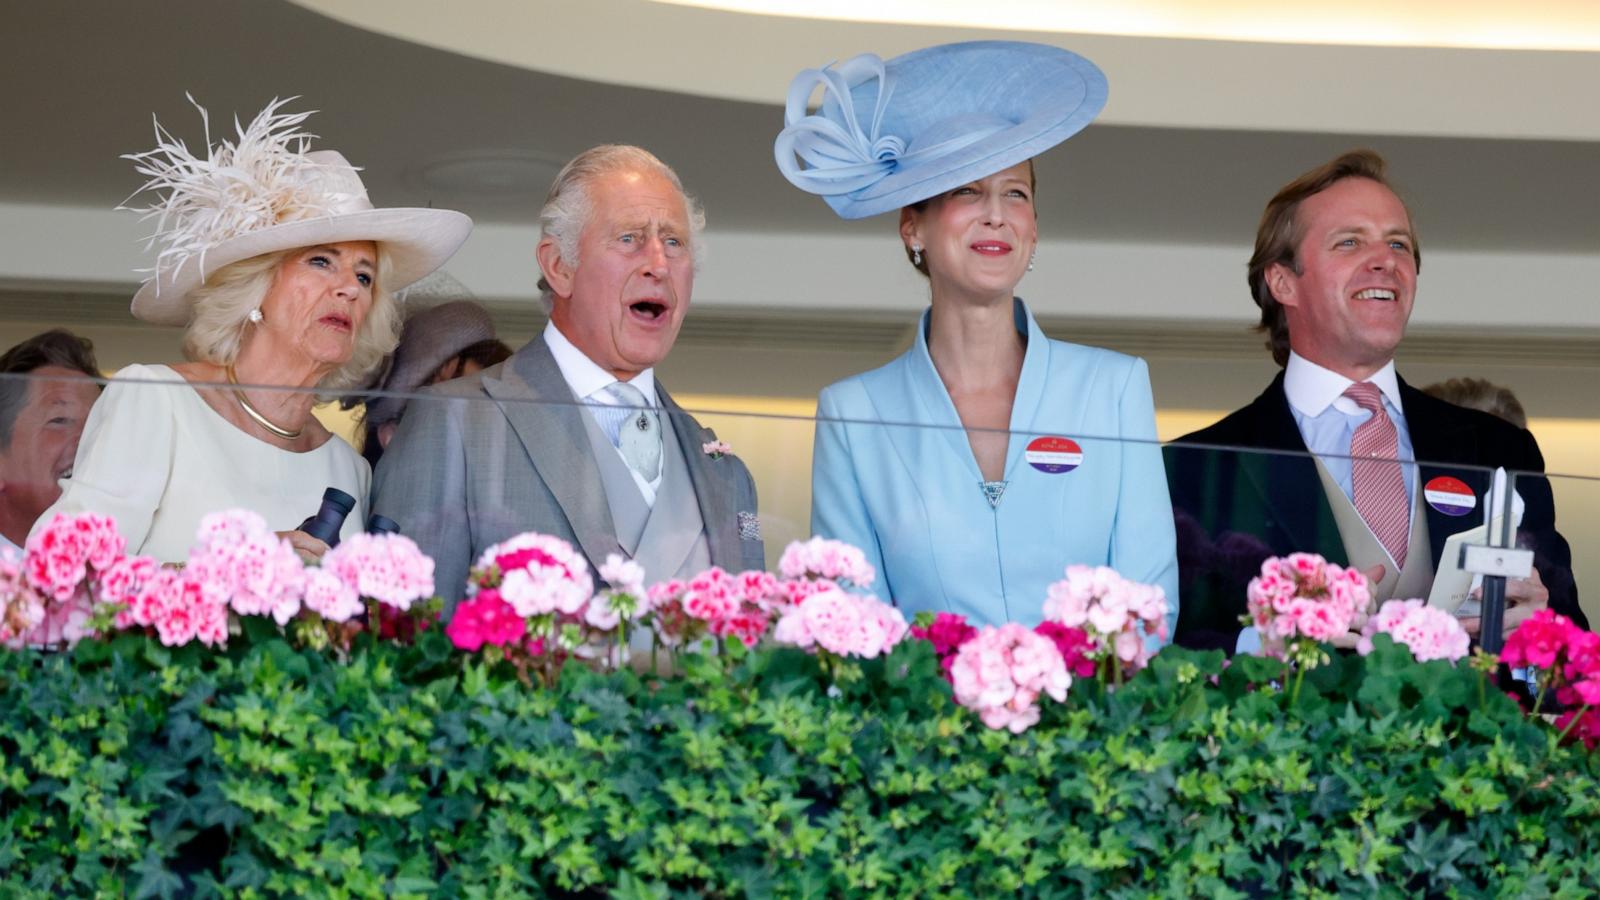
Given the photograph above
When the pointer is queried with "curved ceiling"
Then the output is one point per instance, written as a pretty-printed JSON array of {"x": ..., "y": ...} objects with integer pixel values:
[
  {"x": 1459, "y": 74},
  {"x": 1481, "y": 24}
]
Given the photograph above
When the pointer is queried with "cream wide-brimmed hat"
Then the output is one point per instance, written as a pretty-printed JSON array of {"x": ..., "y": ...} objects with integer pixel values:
[{"x": 265, "y": 193}]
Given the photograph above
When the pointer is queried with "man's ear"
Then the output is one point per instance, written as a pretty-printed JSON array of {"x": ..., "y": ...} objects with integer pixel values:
[
  {"x": 1281, "y": 281},
  {"x": 556, "y": 272}
]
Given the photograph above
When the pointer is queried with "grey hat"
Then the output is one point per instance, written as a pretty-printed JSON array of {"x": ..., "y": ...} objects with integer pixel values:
[{"x": 429, "y": 338}]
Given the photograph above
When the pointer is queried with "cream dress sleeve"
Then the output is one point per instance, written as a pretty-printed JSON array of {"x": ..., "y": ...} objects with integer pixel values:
[{"x": 158, "y": 459}]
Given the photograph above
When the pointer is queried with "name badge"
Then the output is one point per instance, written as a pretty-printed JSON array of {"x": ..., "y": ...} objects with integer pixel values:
[
  {"x": 1450, "y": 496},
  {"x": 1054, "y": 455}
]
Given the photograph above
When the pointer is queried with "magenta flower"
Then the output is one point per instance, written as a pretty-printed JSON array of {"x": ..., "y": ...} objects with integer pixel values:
[{"x": 486, "y": 619}]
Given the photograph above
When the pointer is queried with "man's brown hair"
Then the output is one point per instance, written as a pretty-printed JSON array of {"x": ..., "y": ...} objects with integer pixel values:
[{"x": 1279, "y": 234}]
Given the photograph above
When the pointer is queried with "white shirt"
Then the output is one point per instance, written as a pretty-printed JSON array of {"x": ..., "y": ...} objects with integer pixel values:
[
  {"x": 1328, "y": 419},
  {"x": 589, "y": 382}
]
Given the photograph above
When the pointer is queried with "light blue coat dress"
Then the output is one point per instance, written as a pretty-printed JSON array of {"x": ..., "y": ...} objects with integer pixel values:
[{"x": 912, "y": 497}]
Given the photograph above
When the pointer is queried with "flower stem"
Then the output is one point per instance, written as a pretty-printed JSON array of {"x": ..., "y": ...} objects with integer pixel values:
[{"x": 1581, "y": 713}]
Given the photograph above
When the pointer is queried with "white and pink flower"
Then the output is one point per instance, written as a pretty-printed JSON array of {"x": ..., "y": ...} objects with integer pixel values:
[
  {"x": 1121, "y": 618},
  {"x": 238, "y": 561},
  {"x": 1428, "y": 632},
  {"x": 538, "y": 575},
  {"x": 388, "y": 568}
]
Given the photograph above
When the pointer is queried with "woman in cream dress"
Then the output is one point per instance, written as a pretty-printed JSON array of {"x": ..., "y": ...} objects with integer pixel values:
[{"x": 282, "y": 273}]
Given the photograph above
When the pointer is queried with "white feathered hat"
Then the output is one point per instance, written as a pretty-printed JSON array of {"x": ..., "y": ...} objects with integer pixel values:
[{"x": 262, "y": 194}]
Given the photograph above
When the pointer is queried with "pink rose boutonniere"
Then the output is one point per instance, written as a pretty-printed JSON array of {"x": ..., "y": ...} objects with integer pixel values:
[{"x": 716, "y": 449}]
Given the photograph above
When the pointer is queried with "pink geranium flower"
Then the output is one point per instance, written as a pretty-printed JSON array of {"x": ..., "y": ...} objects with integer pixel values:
[
  {"x": 1001, "y": 672},
  {"x": 1117, "y": 617},
  {"x": 388, "y": 568},
  {"x": 538, "y": 574},
  {"x": 239, "y": 562},
  {"x": 820, "y": 558},
  {"x": 487, "y": 619},
  {"x": 1429, "y": 633},
  {"x": 1304, "y": 599},
  {"x": 842, "y": 623},
  {"x": 60, "y": 556}
]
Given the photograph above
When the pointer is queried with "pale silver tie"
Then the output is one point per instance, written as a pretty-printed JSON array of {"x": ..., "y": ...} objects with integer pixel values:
[{"x": 634, "y": 429}]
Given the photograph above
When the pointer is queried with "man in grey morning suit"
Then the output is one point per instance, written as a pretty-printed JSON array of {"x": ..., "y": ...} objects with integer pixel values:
[{"x": 573, "y": 436}]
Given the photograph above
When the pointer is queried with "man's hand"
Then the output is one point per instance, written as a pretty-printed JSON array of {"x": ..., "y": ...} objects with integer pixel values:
[
  {"x": 1524, "y": 597},
  {"x": 1348, "y": 640}
]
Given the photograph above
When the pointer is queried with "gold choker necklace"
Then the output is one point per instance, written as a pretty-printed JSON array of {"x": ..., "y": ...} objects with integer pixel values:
[{"x": 250, "y": 411}]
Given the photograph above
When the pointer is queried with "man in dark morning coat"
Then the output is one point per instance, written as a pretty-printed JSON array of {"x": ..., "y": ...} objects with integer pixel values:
[
  {"x": 1335, "y": 273},
  {"x": 573, "y": 436}
]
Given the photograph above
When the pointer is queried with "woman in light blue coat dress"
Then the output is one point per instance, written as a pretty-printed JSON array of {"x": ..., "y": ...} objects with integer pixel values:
[{"x": 976, "y": 467}]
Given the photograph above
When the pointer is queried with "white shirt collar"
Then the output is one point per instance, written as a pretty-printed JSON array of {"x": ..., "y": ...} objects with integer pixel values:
[
  {"x": 585, "y": 377},
  {"x": 1311, "y": 389}
]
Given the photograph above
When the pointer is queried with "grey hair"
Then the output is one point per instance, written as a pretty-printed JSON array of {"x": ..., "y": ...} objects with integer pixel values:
[
  {"x": 223, "y": 304},
  {"x": 568, "y": 206}
]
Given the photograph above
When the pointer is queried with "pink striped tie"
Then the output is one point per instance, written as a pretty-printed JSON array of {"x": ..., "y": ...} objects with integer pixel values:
[{"x": 1380, "y": 488}]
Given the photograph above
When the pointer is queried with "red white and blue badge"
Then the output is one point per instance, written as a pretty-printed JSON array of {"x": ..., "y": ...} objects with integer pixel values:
[
  {"x": 1054, "y": 455},
  {"x": 1450, "y": 496}
]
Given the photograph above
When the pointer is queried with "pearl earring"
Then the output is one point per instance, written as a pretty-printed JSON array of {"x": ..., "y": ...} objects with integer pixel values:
[
  {"x": 1031, "y": 257},
  {"x": 916, "y": 255},
  {"x": 255, "y": 315}
]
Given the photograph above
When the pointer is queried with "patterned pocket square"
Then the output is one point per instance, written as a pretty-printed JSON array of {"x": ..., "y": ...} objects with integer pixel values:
[{"x": 749, "y": 527}]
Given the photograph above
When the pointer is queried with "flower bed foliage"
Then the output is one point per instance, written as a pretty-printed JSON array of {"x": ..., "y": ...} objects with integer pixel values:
[
  {"x": 251, "y": 725},
  {"x": 126, "y": 766}
]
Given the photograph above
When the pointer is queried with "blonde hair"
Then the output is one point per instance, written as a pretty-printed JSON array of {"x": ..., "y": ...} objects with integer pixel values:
[{"x": 223, "y": 304}]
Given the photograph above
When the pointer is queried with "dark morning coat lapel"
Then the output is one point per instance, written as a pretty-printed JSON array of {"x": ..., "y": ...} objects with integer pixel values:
[
  {"x": 540, "y": 407},
  {"x": 713, "y": 490},
  {"x": 1234, "y": 509},
  {"x": 1438, "y": 434},
  {"x": 1275, "y": 495}
]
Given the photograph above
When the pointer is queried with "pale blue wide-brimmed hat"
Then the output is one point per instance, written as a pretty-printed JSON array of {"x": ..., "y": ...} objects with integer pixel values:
[{"x": 889, "y": 134}]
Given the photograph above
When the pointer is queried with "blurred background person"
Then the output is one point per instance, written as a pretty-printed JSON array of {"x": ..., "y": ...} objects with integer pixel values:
[
  {"x": 979, "y": 506},
  {"x": 46, "y": 390},
  {"x": 1481, "y": 394},
  {"x": 1486, "y": 396},
  {"x": 437, "y": 343},
  {"x": 282, "y": 273}
]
